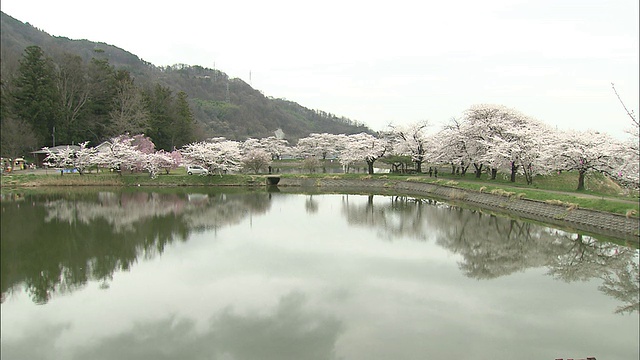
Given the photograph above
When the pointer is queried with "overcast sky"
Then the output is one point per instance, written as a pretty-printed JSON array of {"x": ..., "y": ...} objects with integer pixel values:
[{"x": 386, "y": 62}]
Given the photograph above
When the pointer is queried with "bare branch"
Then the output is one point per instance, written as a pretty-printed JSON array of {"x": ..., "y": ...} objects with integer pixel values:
[{"x": 630, "y": 113}]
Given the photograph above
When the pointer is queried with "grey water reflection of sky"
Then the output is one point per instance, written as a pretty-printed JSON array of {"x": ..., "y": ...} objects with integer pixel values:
[{"x": 292, "y": 284}]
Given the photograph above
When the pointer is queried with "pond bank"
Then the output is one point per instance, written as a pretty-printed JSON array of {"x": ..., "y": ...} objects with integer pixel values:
[
  {"x": 562, "y": 215},
  {"x": 591, "y": 221}
]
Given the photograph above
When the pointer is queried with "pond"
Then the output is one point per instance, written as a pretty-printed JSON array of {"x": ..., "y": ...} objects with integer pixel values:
[{"x": 194, "y": 273}]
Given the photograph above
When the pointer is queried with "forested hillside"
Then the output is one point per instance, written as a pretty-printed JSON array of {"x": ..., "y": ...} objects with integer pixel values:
[{"x": 56, "y": 90}]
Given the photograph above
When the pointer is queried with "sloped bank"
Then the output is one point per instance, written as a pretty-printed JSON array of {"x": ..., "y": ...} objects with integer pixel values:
[{"x": 591, "y": 221}]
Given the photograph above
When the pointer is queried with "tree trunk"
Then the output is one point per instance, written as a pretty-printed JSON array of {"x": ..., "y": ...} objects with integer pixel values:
[
  {"x": 528, "y": 174},
  {"x": 581, "y": 174},
  {"x": 464, "y": 168},
  {"x": 514, "y": 170},
  {"x": 370, "y": 166},
  {"x": 478, "y": 171},
  {"x": 494, "y": 173}
]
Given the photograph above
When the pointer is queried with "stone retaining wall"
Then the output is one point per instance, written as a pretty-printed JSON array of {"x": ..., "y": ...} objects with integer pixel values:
[{"x": 591, "y": 221}]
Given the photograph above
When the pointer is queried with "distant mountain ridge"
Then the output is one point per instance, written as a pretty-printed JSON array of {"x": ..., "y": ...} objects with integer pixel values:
[{"x": 224, "y": 106}]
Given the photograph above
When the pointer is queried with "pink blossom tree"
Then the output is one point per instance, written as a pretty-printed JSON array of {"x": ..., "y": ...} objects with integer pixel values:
[
  {"x": 176, "y": 160},
  {"x": 217, "y": 154},
  {"x": 453, "y": 147},
  {"x": 85, "y": 158},
  {"x": 143, "y": 143},
  {"x": 413, "y": 140},
  {"x": 120, "y": 154},
  {"x": 514, "y": 142},
  {"x": 274, "y": 146},
  {"x": 69, "y": 157},
  {"x": 496, "y": 137},
  {"x": 320, "y": 145},
  {"x": 63, "y": 158},
  {"x": 254, "y": 155},
  {"x": 256, "y": 160},
  {"x": 483, "y": 124},
  {"x": 156, "y": 161},
  {"x": 520, "y": 149},
  {"x": 364, "y": 147},
  {"x": 137, "y": 153},
  {"x": 584, "y": 152}
]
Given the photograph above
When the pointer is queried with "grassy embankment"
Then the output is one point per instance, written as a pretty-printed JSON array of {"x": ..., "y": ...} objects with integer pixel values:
[{"x": 601, "y": 194}]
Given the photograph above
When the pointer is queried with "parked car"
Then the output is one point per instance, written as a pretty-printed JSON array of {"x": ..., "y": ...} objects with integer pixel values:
[{"x": 196, "y": 169}]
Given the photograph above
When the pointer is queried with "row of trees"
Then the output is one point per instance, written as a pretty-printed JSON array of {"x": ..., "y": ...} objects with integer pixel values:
[
  {"x": 490, "y": 138},
  {"x": 138, "y": 153},
  {"x": 128, "y": 153},
  {"x": 504, "y": 139},
  {"x": 67, "y": 100}
]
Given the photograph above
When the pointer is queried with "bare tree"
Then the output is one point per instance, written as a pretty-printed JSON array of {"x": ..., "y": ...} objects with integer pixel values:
[
  {"x": 128, "y": 114},
  {"x": 16, "y": 138},
  {"x": 74, "y": 93}
]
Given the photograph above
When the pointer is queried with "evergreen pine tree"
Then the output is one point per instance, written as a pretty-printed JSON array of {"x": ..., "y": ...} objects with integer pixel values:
[{"x": 35, "y": 95}]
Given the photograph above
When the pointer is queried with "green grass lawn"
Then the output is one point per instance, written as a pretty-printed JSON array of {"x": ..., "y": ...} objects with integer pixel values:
[
  {"x": 601, "y": 193},
  {"x": 595, "y": 183}
]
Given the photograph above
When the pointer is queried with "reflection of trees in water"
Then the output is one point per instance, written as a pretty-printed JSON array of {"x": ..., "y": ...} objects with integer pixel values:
[
  {"x": 585, "y": 258},
  {"x": 124, "y": 211},
  {"x": 310, "y": 205},
  {"x": 399, "y": 216},
  {"x": 624, "y": 285},
  {"x": 55, "y": 245},
  {"x": 120, "y": 211},
  {"x": 226, "y": 209},
  {"x": 493, "y": 246}
]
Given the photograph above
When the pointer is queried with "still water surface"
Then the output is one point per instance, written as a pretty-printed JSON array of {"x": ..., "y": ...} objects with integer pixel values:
[{"x": 205, "y": 274}]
